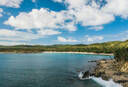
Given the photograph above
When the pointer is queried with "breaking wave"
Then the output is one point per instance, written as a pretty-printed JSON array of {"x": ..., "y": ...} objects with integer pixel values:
[{"x": 104, "y": 83}]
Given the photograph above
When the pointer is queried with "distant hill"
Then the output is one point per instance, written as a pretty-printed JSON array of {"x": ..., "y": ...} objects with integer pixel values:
[{"x": 106, "y": 47}]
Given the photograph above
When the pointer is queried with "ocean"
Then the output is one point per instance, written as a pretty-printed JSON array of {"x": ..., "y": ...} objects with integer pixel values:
[{"x": 49, "y": 70}]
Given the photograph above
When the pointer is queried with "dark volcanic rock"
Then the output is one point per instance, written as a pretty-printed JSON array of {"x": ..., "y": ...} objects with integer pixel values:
[{"x": 86, "y": 74}]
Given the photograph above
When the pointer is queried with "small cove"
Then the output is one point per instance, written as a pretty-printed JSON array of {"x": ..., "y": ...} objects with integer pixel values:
[{"x": 47, "y": 70}]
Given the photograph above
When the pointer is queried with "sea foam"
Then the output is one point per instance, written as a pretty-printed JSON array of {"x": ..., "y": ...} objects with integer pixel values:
[{"x": 104, "y": 83}]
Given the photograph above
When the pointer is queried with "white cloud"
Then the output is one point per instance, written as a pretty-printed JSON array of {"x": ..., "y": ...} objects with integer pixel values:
[
  {"x": 89, "y": 16},
  {"x": 48, "y": 32},
  {"x": 7, "y": 43},
  {"x": 76, "y": 3},
  {"x": 58, "y": 0},
  {"x": 97, "y": 28},
  {"x": 117, "y": 7},
  {"x": 62, "y": 39},
  {"x": 70, "y": 26},
  {"x": 77, "y": 11},
  {"x": 119, "y": 36},
  {"x": 39, "y": 19},
  {"x": 11, "y": 3},
  {"x": 92, "y": 15},
  {"x": 93, "y": 38},
  {"x": 46, "y": 22},
  {"x": 33, "y": 1},
  {"x": 122, "y": 36},
  {"x": 13, "y": 35},
  {"x": 87, "y": 39}
]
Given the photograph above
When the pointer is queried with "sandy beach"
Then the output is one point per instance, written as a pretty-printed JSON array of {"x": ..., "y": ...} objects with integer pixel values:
[
  {"x": 80, "y": 53},
  {"x": 107, "y": 54}
]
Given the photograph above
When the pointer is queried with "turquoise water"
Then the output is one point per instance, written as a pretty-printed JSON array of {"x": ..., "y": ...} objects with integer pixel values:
[{"x": 46, "y": 70}]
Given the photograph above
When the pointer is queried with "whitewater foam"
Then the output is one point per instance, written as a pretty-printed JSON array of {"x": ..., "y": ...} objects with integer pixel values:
[
  {"x": 104, "y": 83},
  {"x": 80, "y": 75}
]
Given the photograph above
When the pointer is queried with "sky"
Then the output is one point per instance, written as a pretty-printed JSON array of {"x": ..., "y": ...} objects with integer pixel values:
[{"x": 47, "y": 22}]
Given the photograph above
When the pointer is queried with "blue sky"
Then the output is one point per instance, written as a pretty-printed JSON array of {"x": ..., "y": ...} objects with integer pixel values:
[{"x": 62, "y": 21}]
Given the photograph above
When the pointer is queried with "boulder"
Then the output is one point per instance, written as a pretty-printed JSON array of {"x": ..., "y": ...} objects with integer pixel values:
[{"x": 86, "y": 74}]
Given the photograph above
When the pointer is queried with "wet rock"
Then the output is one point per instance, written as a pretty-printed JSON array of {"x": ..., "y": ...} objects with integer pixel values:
[
  {"x": 92, "y": 61},
  {"x": 86, "y": 74},
  {"x": 110, "y": 69},
  {"x": 122, "y": 81}
]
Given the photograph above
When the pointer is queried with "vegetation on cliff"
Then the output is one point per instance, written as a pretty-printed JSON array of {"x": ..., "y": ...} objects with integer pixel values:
[{"x": 121, "y": 54}]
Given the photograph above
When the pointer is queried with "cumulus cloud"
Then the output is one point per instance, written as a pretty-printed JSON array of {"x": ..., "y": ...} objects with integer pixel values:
[
  {"x": 39, "y": 19},
  {"x": 78, "y": 11},
  {"x": 82, "y": 12},
  {"x": 117, "y": 7},
  {"x": 11, "y": 3},
  {"x": 14, "y": 35},
  {"x": 62, "y": 39},
  {"x": 89, "y": 16},
  {"x": 93, "y": 14},
  {"x": 93, "y": 38},
  {"x": 75, "y": 3},
  {"x": 48, "y": 32},
  {"x": 97, "y": 28}
]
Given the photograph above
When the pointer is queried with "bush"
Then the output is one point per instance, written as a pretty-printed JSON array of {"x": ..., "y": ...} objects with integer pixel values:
[{"x": 121, "y": 54}]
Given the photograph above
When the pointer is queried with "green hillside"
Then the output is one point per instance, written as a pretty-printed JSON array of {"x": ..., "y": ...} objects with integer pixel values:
[{"x": 106, "y": 47}]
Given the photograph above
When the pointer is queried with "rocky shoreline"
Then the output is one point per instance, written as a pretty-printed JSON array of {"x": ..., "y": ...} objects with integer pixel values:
[{"x": 110, "y": 69}]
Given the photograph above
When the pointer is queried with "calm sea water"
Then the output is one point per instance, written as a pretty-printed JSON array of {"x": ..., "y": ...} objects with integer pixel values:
[{"x": 46, "y": 70}]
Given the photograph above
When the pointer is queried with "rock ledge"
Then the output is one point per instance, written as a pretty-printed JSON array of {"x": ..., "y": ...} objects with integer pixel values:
[{"x": 109, "y": 69}]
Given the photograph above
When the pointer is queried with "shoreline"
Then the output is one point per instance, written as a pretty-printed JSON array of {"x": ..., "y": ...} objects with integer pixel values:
[
  {"x": 106, "y": 54},
  {"x": 109, "y": 54},
  {"x": 109, "y": 69}
]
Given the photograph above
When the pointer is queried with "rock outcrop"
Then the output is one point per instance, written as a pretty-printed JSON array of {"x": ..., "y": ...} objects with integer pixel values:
[
  {"x": 110, "y": 69},
  {"x": 124, "y": 68},
  {"x": 86, "y": 74}
]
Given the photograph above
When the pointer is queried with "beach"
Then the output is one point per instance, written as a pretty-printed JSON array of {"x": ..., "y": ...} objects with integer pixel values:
[{"x": 80, "y": 53}]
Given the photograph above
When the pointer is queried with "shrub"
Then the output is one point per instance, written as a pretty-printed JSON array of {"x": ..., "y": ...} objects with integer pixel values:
[{"x": 121, "y": 54}]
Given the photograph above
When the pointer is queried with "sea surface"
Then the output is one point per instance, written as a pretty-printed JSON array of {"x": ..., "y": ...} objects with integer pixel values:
[{"x": 48, "y": 70}]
